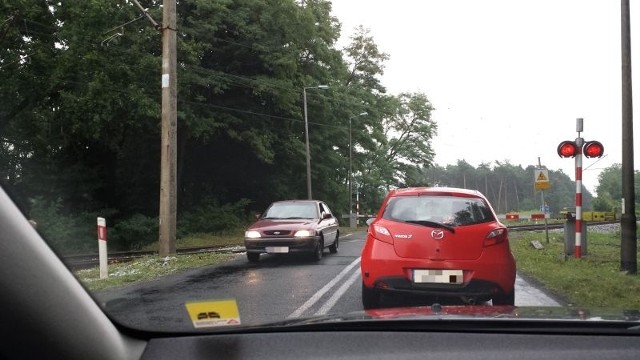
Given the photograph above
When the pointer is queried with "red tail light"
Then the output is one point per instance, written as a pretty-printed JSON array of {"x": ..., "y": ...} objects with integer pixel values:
[
  {"x": 381, "y": 233},
  {"x": 496, "y": 236}
]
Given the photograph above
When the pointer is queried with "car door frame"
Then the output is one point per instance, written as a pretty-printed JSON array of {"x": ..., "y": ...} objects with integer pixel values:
[{"x": 327, "y": 226}]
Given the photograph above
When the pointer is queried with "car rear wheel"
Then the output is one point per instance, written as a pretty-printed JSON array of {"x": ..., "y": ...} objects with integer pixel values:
[
  {"x": 334, "y": 247},
  {"x": 504, "y": 299},
  {"x": 370, "y": 298},
  {"x": 253, "y": 257}
]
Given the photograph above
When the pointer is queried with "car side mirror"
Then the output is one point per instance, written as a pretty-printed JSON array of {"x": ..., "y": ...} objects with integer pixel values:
[
  {"x": 256, "y": 216},
  {"x": 369, "y": 221},
  {"x": 326, "y": 216}
]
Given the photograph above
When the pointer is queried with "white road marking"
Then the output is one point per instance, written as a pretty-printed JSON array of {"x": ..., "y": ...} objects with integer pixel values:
[
  {"x": 338, "y": 294},
  {"x": 526, "y": 294},
  {"x": 312, "y": 300}
]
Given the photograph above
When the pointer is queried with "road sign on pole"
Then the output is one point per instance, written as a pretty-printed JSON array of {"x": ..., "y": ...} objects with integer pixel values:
[{"x": 541, "y": 179}]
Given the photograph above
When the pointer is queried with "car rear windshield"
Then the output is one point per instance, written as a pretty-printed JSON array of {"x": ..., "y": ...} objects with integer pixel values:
[{"x": 443, "y": 209}]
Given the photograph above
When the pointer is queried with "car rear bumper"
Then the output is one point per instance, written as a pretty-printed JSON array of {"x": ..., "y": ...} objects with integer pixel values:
[
  {"x": 301, "y": 244},
  {"x": 475, "y": 290},
  {"x": 492, "y": 273}
]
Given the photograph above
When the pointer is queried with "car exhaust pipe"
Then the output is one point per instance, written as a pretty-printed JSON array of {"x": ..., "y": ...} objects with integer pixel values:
[{"x": 468, "y": 300}]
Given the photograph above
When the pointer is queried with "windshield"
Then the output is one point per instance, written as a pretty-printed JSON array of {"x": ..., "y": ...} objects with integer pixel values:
[
  {"x": 434, "y": 150},
  {"x": 291, "y": 211}
]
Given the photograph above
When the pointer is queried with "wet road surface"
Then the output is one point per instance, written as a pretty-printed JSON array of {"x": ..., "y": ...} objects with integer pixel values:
[{"x": 278, "y": 287}]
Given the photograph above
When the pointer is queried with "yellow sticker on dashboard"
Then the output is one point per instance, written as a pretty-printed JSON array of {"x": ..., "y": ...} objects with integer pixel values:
[{"x": 213, "y": 313}]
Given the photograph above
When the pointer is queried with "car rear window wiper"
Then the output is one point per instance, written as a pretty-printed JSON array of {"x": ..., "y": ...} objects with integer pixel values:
[{"x": 432, "y": 224}]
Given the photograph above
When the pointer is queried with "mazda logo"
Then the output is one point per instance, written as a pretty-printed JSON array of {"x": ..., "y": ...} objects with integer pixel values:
[
  {"x": 276, "y": 233},
  {"x": 437, "y": 234}
]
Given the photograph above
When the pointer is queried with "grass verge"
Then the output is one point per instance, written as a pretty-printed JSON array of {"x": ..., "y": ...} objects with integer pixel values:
[
  {"x": 146, "y": 268},
  {"x": 204, "y": 239},
  {"x": 593, "y": 281}
]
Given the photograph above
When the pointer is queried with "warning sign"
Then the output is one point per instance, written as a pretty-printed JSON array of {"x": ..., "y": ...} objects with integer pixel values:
[
  {"x": 541, "y": 179},
  {"x": 214, "y": 313}
]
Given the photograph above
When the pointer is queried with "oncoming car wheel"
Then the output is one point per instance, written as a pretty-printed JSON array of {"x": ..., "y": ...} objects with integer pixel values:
[
  {"x": 334, "y": 247},
  {"x": 370, "y": 298},
  {"x": 317, "y": 252}
]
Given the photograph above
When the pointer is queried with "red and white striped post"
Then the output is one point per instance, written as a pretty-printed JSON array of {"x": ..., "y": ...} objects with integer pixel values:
[
  {"x": 102, "y": 247},
  {"x": 579, "y": 143},
  {"x": 357, "y": 206},
  {"x": 577, "y": 149}
]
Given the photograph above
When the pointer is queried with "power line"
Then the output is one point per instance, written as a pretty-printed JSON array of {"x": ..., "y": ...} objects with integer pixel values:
[
  {"x": 201, "y": 104},
  {"x": 249, "y": 112}
]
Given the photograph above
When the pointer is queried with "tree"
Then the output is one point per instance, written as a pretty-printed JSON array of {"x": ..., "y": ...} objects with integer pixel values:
[
  {"x": 366, "y": 62},
  {"x": 80, "y": 113},
  {"x": 610, "y": 182},
  {"x": 609, "y": 189}
]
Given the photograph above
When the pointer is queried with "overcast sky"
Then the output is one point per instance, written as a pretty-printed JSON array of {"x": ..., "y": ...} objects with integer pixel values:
[{"x": 508, "y": 78}]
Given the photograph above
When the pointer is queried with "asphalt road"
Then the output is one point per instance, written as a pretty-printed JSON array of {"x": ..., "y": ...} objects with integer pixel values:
[{"x": 276, "y": 288}]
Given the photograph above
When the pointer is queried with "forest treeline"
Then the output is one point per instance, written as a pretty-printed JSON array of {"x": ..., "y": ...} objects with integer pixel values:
[{"x": 80, "y": 105}]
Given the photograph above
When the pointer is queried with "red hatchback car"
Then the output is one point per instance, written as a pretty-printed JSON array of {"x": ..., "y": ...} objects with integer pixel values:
[{"x": 439, "y": 242}]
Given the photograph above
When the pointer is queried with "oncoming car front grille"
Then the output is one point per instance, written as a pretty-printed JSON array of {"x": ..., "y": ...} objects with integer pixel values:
[{"x": 278, "y": 232}]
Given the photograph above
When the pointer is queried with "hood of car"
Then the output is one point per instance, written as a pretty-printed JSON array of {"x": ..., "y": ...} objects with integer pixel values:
[
  {"x": 288, "y": 224},
  {"x": 507, "y": 312},
  {"x": 482, "y": 312}
]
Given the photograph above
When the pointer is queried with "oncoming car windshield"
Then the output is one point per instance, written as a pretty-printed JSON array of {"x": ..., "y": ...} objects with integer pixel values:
[
  {"x": 334, "y": 169},
  {"x": 292, "y": 211}
]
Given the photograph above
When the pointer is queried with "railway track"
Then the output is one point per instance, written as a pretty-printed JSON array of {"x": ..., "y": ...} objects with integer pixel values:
[
  {"x": 85, "y": 261},
  {"x": 537, "y": 227}
]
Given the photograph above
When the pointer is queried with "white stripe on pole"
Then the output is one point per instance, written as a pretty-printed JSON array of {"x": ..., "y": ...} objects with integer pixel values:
[
  {"x": 102, "y": 247},
  {"x": 579, "y": 142},
  {"x": 578, "y": 243}
]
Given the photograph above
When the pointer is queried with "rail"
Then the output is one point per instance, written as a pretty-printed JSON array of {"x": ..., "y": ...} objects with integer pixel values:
[{"x": 84, "y": 261}]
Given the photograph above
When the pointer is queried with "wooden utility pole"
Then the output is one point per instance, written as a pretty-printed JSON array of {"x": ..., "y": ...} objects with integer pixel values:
[
  {"x": 168, "y": 153},
  {"x": 628, "y": 225}
]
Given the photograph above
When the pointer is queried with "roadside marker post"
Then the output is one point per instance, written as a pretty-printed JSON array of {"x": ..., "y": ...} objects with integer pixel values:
[{"x": 102, "y": 247}]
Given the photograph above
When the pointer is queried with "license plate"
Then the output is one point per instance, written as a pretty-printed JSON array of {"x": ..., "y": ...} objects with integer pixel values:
[
  {"x": 277, "y": 249},
  {"x": 438, "y": 276}
]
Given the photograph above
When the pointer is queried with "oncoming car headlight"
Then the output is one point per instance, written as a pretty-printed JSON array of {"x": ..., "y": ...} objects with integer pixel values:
[
  {"x": 251, "y": 234},
  {"x": 304, "y": 233}
]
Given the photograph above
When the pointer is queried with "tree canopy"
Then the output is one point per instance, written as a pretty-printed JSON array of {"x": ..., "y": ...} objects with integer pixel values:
[{"x": 80, "y": 110}]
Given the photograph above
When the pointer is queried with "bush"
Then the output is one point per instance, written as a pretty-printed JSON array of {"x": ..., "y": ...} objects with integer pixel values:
[
  {"x": 76, "y": 233},
  {"x": 67, "y": 233},
  {"x": 211, "y": 217},
  {"x": 134, "y": 233},
  {"x": 61, "y": 231}
]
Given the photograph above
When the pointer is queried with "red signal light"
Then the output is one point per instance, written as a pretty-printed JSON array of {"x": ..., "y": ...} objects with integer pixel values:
[
  {"x": 593, "y": 149},
  {"x": 567, "y": 149}
]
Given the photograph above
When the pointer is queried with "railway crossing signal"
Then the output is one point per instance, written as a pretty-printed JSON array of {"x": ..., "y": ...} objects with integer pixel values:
[
  {"x": 567, "y": 149},
  {"x": 590, "y": 149},
  {"x": 593, "y": 149},
  {"x": 576, "y": 149}
]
